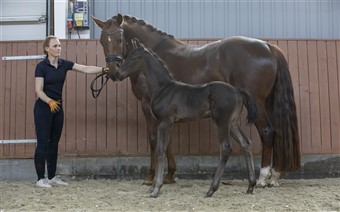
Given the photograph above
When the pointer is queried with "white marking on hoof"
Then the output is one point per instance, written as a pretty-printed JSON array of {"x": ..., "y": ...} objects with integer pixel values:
[
  {"x": 264, "y": 176},
  {"x": 273, "y": 182}
]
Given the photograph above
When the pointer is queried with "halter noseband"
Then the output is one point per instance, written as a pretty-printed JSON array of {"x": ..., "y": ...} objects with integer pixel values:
[{"x": 113, "y": 58}]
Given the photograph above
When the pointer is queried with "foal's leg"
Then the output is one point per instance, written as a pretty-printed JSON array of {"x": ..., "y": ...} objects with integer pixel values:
[
  {"x": 266, "y": 133},
  {"x": 164, "y": 129},
  {"x": 169, "y": 177},
  {"x": 246, "y": 146},
  {"x": 225, "y": 151},
  {"x": 152, "y": 140}
]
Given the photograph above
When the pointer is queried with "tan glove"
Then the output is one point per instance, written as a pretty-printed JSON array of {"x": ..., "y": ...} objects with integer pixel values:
[{"x": 54, "y": 105}]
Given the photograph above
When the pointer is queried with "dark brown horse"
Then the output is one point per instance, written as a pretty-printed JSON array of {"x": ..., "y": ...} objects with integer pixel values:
[
  {"x": 247, "y": 63},
  {"x": 173, "y": 101}
]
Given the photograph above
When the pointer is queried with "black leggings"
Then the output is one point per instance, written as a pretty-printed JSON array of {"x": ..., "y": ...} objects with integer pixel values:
[{"x": 48, "y": 128}]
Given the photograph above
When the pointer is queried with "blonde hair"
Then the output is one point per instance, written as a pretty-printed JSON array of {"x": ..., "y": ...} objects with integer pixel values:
[{"x": 46, "y": 42}]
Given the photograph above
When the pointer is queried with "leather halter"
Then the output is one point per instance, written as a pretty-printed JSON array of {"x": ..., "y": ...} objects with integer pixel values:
[{"x": 113, "y": 58}]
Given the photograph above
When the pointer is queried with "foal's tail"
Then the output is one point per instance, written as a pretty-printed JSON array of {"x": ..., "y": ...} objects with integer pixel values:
[
  {"x": 249, "y": 102},
  {"x": 286, "y": 149}
]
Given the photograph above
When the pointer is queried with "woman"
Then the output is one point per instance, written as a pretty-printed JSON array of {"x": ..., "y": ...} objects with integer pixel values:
[{"x": 48, "y": 111}]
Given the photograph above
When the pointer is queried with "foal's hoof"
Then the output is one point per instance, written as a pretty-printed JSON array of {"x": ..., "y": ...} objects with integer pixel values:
[
  {"x": 250, "y": 191},
  {"x": 208, "y": 194}
]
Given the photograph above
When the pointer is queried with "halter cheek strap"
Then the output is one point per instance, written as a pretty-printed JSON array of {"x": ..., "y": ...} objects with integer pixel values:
[{"x": 113, "y": 58}]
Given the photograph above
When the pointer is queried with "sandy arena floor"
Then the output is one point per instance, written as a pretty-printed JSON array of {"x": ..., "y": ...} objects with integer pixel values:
[{"x": 185, "y": 195}]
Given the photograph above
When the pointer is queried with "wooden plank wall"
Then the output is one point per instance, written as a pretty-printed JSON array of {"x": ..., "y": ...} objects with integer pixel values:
[{"x": 113, "y": 124}]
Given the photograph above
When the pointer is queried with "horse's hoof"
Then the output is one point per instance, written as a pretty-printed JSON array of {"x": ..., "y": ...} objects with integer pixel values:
[
  {"x": 148, "y": 180},
  {"x": 261, "y": 185},
  {"x": 169, "y": 180},
  {"x": 273, "y": 183},
  {"x": 148, "y": 183}
]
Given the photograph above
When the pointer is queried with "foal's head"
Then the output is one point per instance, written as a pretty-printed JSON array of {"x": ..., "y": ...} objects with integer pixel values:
[{"x": 134, "y": 62}]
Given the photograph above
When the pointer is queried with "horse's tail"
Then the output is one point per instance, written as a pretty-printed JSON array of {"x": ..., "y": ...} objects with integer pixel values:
[
  {"x": 249, "y": 102},
  {"x": 286, "y": 149}
]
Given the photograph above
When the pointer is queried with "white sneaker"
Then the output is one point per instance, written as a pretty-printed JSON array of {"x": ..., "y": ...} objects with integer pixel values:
[
  {"x": 56, "y": 180},
  {"x": 43, "y": 183}
]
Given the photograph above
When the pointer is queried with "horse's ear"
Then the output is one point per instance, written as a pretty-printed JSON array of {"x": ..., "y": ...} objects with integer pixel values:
[
  {"x": 120, "y": 19},
  {"x": 98, "y": 22}
]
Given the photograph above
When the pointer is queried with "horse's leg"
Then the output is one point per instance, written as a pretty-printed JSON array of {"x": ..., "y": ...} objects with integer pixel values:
[
  {"x": 266, "y": 133},
  {"x": 163, "y": 137},
  {"x": 246, "y": 146},
  {"x": 225, "y": 151},
  {"x": 152, "y": 140},
  {"x": 273, "y": 182}
]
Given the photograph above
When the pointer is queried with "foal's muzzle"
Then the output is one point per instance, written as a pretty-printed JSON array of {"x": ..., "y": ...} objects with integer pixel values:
[{"x": 119, "y": 76}]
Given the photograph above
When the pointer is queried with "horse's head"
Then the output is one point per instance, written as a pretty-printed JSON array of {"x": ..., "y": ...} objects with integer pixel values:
[
  {"x": 134, "y": 62},
  {"x": 112, "y": 40}
]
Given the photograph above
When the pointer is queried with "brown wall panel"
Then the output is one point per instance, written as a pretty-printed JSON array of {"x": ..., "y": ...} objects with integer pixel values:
[
  {"x": 91, "y": 109},
  {"x": 32, "y": 49},
  {"x": 315, "y": 121},
  {"x": 81, "y": 100},
  {"x": 70, "y": 102},
  {"x": 114, "y": 124},
  {"x": 336, "y": 143},
  {"x": 20, "y": 100},
  {"x": 101, "y": 139},
  {"x": 304, "y": 96},
  {"x": 324, "y": 97},
  {"x": 333, "y": 95},
  {"x": 2, "y": 94}
]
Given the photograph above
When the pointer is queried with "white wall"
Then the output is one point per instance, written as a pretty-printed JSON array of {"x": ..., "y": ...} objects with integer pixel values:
[
  {"x": 19, "y": 20},
  {"x": 60, "y": 22},
  {"x": 13, "y": 10}
]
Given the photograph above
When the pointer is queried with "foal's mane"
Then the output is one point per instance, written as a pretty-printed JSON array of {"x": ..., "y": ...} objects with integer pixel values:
[
  {"x": 131, "y": 19},
  {"x": 161, "y": 62}
]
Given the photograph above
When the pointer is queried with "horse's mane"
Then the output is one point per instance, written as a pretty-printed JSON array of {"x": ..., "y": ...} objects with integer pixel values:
[{"x": 132, "y": 19}]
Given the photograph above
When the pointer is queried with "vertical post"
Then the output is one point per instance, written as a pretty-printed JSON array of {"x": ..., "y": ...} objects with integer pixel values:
[{"x": 60, "y": 15}]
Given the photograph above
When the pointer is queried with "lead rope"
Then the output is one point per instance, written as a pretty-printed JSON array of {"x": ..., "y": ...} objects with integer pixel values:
[{"x": 96, "y": 91}]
